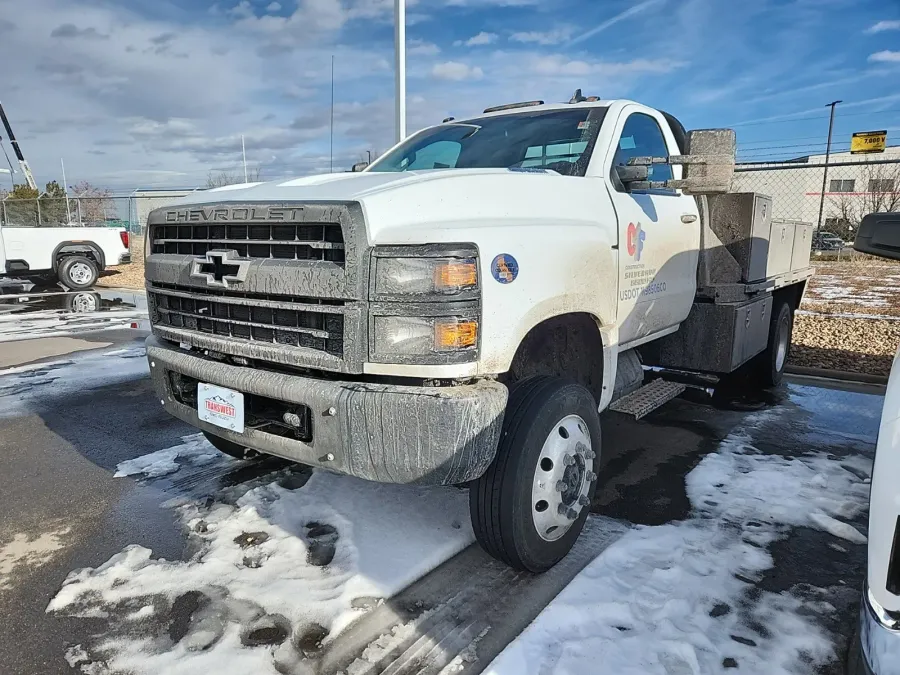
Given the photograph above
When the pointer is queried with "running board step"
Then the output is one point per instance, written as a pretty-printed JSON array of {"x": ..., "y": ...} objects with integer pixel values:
[{"x": 648, "y": 398}]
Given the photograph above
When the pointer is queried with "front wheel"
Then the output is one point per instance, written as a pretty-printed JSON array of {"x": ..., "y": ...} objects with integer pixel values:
[
  {"x": 77, "y": 273},
  {"x": 530, "y": 506}
]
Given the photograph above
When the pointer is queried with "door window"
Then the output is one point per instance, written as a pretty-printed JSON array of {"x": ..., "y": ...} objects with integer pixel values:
[{"x": 642, "y": 137}]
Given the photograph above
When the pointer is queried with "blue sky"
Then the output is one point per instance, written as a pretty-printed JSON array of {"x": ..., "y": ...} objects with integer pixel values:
[{"x": 149, "y": 92}]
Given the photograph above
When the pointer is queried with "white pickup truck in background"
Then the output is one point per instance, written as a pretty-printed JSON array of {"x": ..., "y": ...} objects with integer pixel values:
[
  {"x": 72, "y": 255},
  {"x": 458, "y": 312}
]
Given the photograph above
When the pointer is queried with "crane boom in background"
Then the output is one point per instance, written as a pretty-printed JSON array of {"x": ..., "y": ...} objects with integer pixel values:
[{"x": 26, "y": 170}]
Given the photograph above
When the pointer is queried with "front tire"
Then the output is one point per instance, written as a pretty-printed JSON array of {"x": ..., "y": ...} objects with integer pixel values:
[
  {"x": 78, "y": 273},
  {"x": 530, "y": 506},
  {"x": 230, "y": 448}
]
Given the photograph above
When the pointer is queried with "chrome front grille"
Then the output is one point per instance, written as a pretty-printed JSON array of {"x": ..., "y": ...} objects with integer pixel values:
[
  {"x": 254, "y": 318},
  {"x": 280, "y": 241}
]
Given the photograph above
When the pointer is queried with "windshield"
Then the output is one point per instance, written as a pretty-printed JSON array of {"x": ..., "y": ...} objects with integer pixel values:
[{"x": 560, "y": 140}]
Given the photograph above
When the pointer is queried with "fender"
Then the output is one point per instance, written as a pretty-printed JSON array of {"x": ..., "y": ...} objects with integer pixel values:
[{"x": 79, "y": 247}]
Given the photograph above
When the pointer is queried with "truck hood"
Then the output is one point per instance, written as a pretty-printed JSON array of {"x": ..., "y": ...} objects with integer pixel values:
[{"x": 428, "y": 206}]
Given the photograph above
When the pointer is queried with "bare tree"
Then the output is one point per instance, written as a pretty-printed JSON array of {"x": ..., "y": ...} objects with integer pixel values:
[
  {"x": 223, "y": 178},
  {"x": 91, "y": 204},
  {"x": 880, "y": 193}
]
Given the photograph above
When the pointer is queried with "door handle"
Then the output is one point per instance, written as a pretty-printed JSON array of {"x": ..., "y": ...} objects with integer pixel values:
[{"x": 688, "y": 218}]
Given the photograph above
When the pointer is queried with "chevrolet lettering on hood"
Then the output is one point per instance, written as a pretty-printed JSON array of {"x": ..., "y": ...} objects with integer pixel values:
[{"x": 243, "y": 214}]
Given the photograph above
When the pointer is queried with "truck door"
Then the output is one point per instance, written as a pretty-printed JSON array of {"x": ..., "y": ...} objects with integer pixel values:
[{"x": 659, "y": 231}]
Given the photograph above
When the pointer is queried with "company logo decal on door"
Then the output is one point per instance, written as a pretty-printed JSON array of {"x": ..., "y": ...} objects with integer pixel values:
[{"x": 635, "y": 240}]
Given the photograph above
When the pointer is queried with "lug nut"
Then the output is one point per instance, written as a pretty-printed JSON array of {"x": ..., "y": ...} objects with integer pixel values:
[
  {"x": 571, "y": 514},
  {"x": 561, "y": 486},
  {"x": 584, "y": 501},
  {"x": 591, "y": 476},
  {"x": 562, "y": 509},
  {"x": 582, "y": 448},
  {"x": 568, "y": 460}
]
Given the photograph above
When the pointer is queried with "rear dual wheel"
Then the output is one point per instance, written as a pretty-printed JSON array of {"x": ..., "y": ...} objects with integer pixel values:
[{"x": 530, "y": 506}]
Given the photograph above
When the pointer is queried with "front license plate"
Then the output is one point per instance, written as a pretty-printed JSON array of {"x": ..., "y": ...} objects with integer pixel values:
[{"x": 220, "y": 406}]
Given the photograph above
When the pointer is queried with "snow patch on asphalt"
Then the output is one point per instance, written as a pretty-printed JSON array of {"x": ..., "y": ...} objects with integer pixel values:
[
  {"x": 24, "y": 389},
  {"x": 681, "y": 598},
  {"x": 195, "y": 451},
  {"x": 304, "y": 553}
]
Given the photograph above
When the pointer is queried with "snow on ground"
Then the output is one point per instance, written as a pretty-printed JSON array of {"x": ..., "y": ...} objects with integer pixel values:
[
  {"x": 280, "y": 559},
  {"x": 24, "y": 386},
  {"x": 681, "y": 598}
]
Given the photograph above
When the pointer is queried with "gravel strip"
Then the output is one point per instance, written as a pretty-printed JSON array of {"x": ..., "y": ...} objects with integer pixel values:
[
  {"x": 853, "y": 345},
  {"x": 127, "y": 276}
]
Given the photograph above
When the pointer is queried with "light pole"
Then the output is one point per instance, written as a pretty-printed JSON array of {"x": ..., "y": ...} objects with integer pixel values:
[
  {"x": 827, "y": 157},
  {"x": 400, "y": 68}
]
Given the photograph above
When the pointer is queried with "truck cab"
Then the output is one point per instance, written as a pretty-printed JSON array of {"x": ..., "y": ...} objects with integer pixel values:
[{"x": 460, "y": 311}]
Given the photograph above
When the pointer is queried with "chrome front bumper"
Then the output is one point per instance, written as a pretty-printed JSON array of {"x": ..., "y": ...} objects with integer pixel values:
[
  {"x": 879, "y": 639},
  {"x": 380, "y": 432}
]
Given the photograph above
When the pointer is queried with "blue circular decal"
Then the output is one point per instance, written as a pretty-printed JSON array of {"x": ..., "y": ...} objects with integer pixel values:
[{"x": 505, "y": 268}]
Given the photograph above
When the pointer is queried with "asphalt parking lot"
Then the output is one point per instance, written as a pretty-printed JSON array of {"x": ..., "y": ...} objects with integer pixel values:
[{"x": 67, "y": 428}]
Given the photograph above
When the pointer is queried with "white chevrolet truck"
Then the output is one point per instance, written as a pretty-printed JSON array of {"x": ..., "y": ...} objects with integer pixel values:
[
  {"x": 459, "y": 312},
  {"x": 72, "y": 255}
]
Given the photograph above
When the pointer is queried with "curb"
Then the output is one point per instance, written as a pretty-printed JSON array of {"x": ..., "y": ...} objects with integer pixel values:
[{"x": 843, "y": 375}]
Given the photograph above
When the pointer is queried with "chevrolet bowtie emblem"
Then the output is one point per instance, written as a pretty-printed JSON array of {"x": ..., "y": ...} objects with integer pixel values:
[{"x": 220, "y": 268}]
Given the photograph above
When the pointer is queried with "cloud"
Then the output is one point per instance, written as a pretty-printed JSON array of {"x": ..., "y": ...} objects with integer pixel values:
[
  {"x": 551, "y": 37},
  {"x": 621, "y": 16},
  {"x": 422, "y": 48},
  {"x": 491, "y": 3},
  {"x": 70, "y": 30},
  {"x": 885, "y": 56},
  {"x": 882, "y": 26},
  {"x": 455, "y": 71},
  {"x": 273, "y": 7},
  {"x": 483, "y": 38},
  {"x": 163, "y": 38},
  {"x": 560, "y": 65}
]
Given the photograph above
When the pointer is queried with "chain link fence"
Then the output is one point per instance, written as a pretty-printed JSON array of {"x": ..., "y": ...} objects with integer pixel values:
[
  {"x": 855, "y": 186},
  {"x": 66, "y": 212}
]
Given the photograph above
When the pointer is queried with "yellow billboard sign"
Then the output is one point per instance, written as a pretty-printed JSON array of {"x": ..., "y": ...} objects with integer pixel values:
[{"x": 864, "y": 142}]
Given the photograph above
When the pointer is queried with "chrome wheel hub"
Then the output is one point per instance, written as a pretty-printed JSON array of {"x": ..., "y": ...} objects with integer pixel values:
[
  {"x": 84, "y": 302},
  {"x": 80, "y": 273},
  {"x": 562, "y": 478}
]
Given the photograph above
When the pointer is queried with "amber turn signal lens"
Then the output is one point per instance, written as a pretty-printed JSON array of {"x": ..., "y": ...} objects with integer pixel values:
[
  {"x": 455, "y": 275},
  {"x": 455, "y": 335}
]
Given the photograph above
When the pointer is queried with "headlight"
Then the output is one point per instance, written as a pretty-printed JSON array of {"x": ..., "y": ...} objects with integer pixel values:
[
  {"x": 422, "y": 276},
  {"x": 399, "y": 336}
]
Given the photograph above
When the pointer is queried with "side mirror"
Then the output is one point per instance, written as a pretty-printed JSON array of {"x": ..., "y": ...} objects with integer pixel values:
[
  {"x": 879, "y": 234},
  {"x": 709, "y": 162},
  {"x": 629, "y": 175},
  {"x": 360, "y": 166}
]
